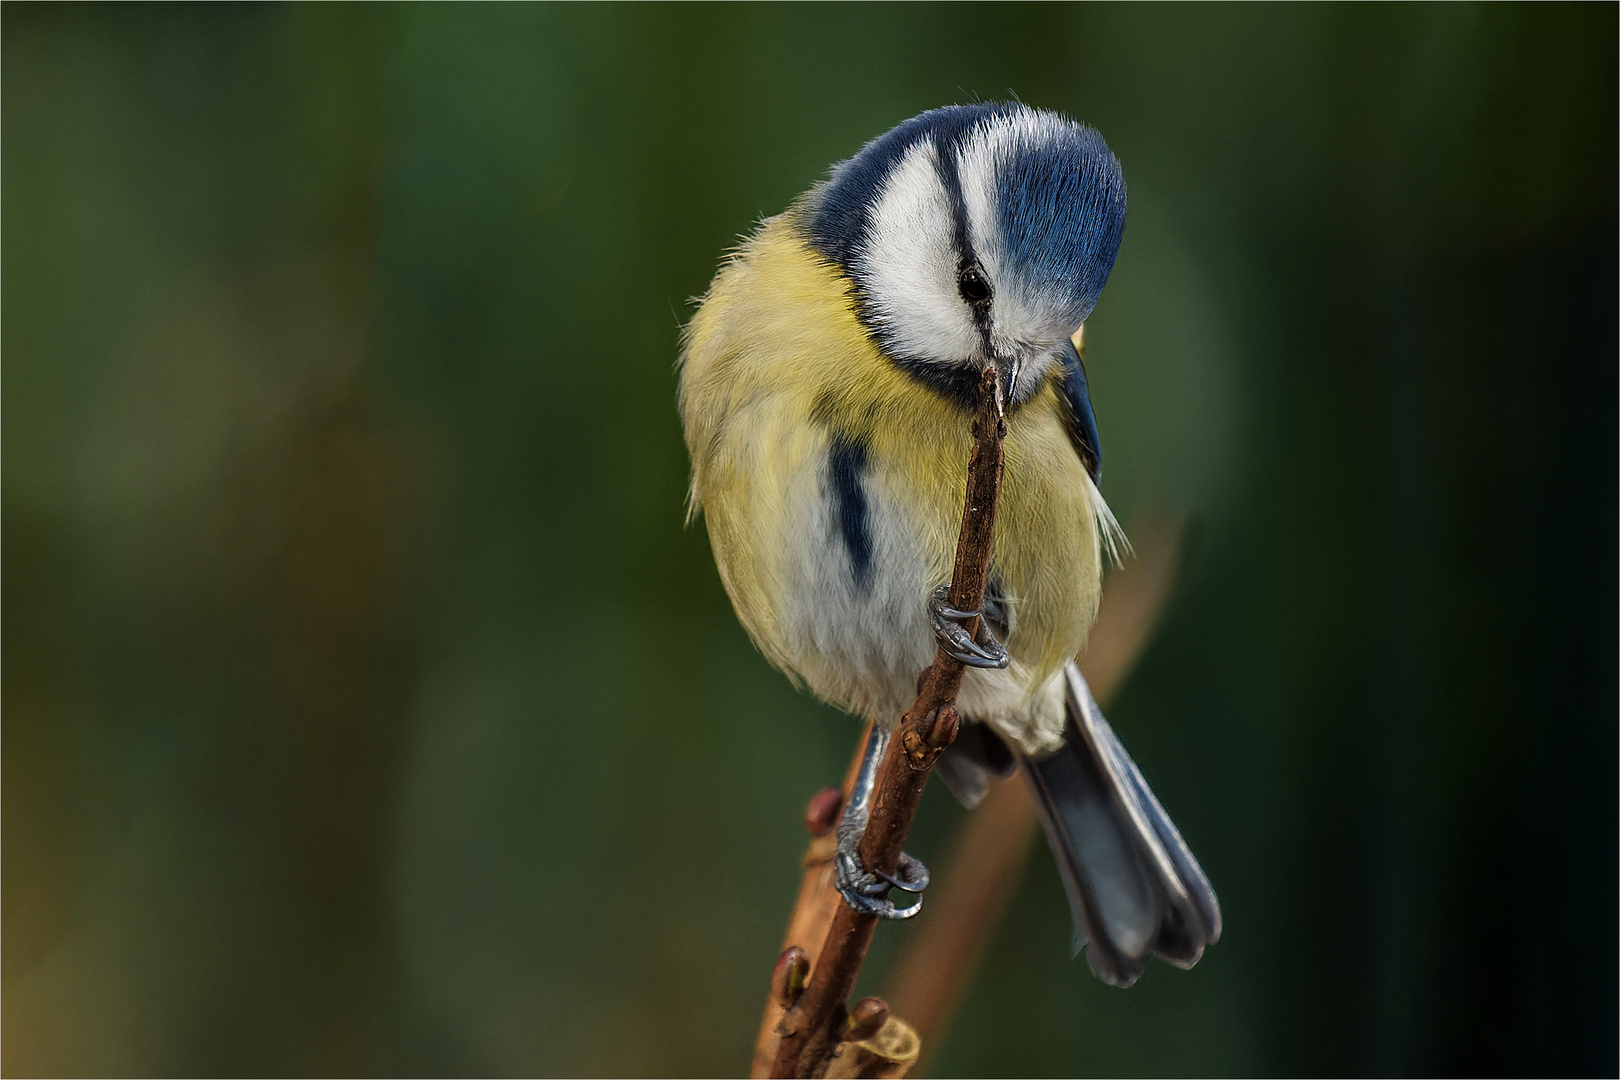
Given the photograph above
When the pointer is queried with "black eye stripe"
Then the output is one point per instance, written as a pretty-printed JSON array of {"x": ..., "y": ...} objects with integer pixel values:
[{"x": 971, "y": 281}]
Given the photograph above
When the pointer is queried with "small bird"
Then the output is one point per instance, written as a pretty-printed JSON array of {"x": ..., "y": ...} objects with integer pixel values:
[{"x": 827, "y": 386}]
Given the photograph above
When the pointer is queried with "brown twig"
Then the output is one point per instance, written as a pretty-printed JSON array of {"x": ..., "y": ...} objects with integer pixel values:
[
  {"x": 815, "y": 1024},
  {"x": 938, "y": 960},
  {"x": 813, "y": 912}
]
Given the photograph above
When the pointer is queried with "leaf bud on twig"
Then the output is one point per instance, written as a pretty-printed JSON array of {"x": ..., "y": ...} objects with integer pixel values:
[
  {"x": 791, "y": 976},
  {"x": 821, "y": 812},
  {"x": 866, "y": 1018}
]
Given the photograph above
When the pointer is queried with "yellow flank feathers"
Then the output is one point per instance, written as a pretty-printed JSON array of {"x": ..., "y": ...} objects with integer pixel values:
[{"x": 774, "y": 366}]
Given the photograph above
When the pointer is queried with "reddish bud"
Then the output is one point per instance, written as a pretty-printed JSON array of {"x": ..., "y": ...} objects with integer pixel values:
[
  {"x": 867, "y": 1018},
  {"x": 942, "y": 728},
  {"x": 821, "y": 813},
  {"x": 791, "y": 976}
]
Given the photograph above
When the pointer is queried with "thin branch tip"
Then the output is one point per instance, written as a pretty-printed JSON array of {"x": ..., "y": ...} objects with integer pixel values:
[{"x": 866, "y": 1018}]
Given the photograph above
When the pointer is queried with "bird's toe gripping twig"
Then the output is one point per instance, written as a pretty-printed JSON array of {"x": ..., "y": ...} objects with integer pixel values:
[
  {"x": 985, "y": 652},
  {"x": 867, "y": 891}
]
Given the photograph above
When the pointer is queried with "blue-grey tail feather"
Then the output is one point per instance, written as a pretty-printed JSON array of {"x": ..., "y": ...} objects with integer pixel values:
[{"x": 1134, "y": 887}]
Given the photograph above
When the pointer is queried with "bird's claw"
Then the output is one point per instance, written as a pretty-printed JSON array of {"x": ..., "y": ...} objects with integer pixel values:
[
  {"x": 912, "y": 875},
  {"x": 868, "y": 892},
  {"x": 957, "y": 642},
  {"x": 863, "y": 890}
]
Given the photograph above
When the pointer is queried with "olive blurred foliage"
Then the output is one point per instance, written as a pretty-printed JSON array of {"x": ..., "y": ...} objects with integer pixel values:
[{"x": 368, "y": 708}]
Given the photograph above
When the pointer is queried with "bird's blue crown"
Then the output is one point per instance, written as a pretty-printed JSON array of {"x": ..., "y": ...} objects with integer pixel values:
[{"x": 1056, "y": 194}]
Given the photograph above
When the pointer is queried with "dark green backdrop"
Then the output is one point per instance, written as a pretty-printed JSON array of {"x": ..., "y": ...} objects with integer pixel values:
[{"x": 367, "y": 708}]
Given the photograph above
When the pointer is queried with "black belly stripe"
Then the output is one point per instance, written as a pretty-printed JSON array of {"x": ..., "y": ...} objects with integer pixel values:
[{"x": 846, "y": 468}]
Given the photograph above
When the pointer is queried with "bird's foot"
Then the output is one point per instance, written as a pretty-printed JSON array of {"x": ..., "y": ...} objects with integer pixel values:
[
  {"x": 984, "y": 651},
  {"x": 863, "y": 890},
  {"x": 867, "y": 891}
]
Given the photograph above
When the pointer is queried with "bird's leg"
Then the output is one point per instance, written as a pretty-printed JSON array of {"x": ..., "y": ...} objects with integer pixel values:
[
  {"x": 862, "y": 889},
  {"x": 985, "y": 652}
]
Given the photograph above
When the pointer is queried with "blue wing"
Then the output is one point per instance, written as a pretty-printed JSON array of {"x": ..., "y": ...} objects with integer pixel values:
[{"x": 1071, "y": 383}]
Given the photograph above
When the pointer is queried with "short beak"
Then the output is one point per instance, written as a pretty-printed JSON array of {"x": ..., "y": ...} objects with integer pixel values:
[
  {"x": 1011, "y": 376},
  {"x": 1010, "y": 370}
]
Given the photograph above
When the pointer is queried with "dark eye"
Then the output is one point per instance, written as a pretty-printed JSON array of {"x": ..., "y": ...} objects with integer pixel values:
[{"x": 975, "y": 290}]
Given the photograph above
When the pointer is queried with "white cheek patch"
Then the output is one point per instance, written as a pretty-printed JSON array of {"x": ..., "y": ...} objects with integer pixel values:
[
  {"x": 1027, "y": 316},
  {"x": 908, "y": 263}
]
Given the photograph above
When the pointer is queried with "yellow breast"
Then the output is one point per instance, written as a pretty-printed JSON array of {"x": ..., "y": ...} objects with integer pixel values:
[{"x": 775, "y": 365}]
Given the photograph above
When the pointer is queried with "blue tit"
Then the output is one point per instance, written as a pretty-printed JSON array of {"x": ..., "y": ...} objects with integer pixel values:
[{"x": 827, "y": 386}]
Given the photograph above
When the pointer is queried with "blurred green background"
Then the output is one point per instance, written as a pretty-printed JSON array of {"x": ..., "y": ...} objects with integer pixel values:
[{"x": 368, "y": 710}]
